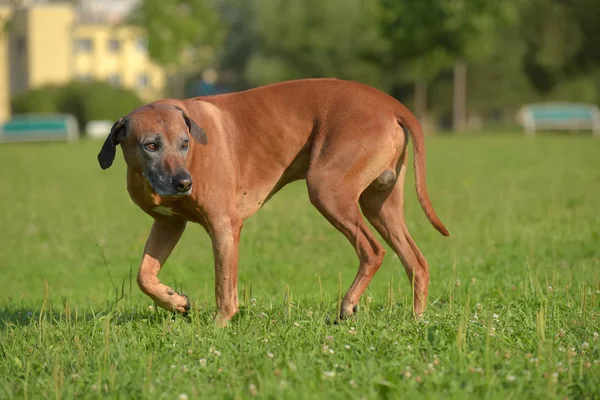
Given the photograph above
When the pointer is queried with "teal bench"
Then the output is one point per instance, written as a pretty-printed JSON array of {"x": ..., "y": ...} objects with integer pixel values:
[
  {"x": 560, "y": 116},
  {"x": 39, "y": 128}
]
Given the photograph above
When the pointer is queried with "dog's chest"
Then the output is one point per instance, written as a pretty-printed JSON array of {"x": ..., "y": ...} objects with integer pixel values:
[
  {"x": 151, "y": 203},
  {"x": 164, "y": 210}
]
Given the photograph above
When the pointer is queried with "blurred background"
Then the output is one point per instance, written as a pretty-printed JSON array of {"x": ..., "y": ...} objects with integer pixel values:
[{"x": 460, "y": 65}]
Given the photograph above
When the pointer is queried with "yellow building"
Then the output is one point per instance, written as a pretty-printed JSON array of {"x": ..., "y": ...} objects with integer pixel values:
[
  {"x": 40, "y": 46},
  {"x": 46, "y": 44},
  {"x": 118, "y": 55},
  {"x": 5, "y": 13}
]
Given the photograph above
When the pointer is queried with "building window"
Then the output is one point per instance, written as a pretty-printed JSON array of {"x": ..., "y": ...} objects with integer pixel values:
[
  {"x": 84, "y": 77},
  {"x": 21, "y": 44},
  {"x": 142, "y": 44},
  {"x": 114, "y": 79},
  {"x": 143, "y": 81},
  {"x": 83, "y": 45},
  {"x": 114, "y": 45}
]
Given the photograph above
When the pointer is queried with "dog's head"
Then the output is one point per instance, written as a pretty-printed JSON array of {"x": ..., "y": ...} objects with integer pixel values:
[{"x": 155, "y": 140}]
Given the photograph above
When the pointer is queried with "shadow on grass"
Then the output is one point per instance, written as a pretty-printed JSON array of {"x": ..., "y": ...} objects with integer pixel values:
[{"x": 26, "y": 316}]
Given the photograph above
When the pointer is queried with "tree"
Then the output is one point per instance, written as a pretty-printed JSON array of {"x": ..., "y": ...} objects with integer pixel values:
[
  {"x": 240, "y": 40},
  {"x": 182, "y": 34},
  {"x": 312, "y": 38},
  {"x": 562, "y": 38},
  {"x": 429, "y": 36}
]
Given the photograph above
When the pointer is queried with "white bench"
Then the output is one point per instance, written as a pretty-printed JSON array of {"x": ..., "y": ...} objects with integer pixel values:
[{"x": 560, "y": 116}]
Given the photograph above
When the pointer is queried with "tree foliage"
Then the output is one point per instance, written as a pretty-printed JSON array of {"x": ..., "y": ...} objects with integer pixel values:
[
  {"x": 562, "y": 38},
  {"x": 179, "y": 31},
  {"x": 516, "y": 50},
  {"x": 86, "y": 101},
  {"x": 313, "y": 38}
]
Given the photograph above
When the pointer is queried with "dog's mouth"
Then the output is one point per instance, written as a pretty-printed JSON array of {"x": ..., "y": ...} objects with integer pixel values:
[
  {"x": 164, "y": 187},
  {"x": 169, "y": 193},
  {"x": 181, "y": 194}
]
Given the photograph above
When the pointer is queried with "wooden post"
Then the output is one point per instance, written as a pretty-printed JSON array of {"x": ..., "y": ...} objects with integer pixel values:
[
  {"x": 460, "y": 96},
  {"x": 420, "y": 100}
]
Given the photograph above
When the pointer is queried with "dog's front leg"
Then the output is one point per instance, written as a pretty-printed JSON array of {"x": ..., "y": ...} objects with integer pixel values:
[
  {"x": 162, "y": 240},
  {"x": 225, "y": 237}
]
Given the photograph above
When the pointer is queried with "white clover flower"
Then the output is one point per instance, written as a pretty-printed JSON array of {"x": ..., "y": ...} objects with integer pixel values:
[
  {"x": 253, "y": 389},
  {"x": 328, "y": 374},
  {"x": 203, "y": 362}
]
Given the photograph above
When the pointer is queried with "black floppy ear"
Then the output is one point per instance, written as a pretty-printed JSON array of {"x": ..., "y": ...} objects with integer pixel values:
[
  {"x": 109, "y": 149},
  {"x": 197, "y": 133}
]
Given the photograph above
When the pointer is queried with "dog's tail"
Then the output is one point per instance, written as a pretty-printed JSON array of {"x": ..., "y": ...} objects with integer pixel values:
[{"x": 409, "y": 124}]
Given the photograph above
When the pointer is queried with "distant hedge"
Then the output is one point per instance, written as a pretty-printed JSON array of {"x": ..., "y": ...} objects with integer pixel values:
[{"x": 86, "y": 101}]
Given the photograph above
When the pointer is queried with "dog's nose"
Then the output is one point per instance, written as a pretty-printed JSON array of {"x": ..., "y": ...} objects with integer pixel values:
[{"x": 182, "y": 182}]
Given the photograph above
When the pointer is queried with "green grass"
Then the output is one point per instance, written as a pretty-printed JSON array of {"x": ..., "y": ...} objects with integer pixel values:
[{"x": 513, "y": 311}]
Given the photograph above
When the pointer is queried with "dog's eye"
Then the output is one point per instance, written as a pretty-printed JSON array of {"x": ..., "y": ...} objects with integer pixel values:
[{"x": 151, "y": 146}]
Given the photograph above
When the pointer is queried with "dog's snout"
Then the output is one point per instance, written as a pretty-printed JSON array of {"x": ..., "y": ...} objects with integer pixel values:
[{"x": 182, "y": 182}]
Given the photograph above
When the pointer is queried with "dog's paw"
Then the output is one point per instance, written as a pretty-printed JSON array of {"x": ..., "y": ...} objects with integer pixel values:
[
  {"x": 176, "y": 302},
  {"x": 348, "y": 311},
  {"x": 344, "y": 314},
  {"x": 186, "y": 307}
]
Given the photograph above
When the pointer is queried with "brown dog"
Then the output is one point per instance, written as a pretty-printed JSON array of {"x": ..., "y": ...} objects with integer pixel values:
[{"x": 346, "y": 139}]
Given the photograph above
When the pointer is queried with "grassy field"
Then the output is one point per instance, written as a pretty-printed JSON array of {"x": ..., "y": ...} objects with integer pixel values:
[{"x": 514, "y": 308}]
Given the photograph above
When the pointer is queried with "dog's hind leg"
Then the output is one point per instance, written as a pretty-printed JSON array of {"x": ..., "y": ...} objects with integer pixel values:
[
  {"x": 162, "y": 240},
  {"x": 335, "y": 179},
  {"x": 340, "y": 207},
  {"x": 385, "y": 211}
]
